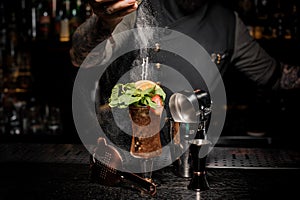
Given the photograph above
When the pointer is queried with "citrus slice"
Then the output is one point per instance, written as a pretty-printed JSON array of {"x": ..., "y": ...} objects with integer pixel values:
[{"x": 145, "y": 84}]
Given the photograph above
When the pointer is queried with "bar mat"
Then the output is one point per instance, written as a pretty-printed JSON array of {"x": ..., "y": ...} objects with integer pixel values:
[
  {"x": 219, "y": 157},
  {"x": 254, "y": 158},
  {"x": 44, "y": 153}
]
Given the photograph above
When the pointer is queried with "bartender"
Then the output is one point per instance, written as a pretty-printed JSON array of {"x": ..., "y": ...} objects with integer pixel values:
[{"x": 219, "y": 30}]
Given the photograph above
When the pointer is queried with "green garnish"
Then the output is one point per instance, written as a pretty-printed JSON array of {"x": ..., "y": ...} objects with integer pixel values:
[{"x": 123, "y": 95}]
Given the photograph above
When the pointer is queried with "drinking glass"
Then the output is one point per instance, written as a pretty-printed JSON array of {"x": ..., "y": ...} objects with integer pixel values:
[{"x": 146, "y": 143}]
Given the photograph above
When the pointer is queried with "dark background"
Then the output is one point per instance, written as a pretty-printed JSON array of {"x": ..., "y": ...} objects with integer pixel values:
[{"x": 249, "y": 108}]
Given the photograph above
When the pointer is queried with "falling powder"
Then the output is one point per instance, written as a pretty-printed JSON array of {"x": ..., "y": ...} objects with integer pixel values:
[{"x": 145, "y": 22}]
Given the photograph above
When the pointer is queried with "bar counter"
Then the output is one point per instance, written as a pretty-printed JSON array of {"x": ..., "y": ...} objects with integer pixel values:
[{"x": 61, "y": 171}]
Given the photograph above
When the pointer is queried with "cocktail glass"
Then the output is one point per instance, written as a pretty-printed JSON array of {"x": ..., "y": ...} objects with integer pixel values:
[{"x": 146, "y": 143}]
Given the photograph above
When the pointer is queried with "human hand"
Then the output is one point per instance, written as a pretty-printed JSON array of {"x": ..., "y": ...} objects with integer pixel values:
[{"x": 111, "y": 12}]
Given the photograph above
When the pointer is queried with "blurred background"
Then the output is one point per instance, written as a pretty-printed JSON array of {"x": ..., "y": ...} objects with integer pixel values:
[{"x": 37, "y": 76}]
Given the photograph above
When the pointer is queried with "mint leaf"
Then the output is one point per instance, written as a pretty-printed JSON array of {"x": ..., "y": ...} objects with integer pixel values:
[
  {"x": 149, "y": 91},
  {"x": 159, "y": 91},
  {"x": 123, "y": 95},
  {"x": 128, "y": 99},
  {"x": 150, "y": 102}
]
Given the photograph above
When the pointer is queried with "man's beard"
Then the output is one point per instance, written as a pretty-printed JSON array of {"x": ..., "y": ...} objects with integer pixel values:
[{"x": 189, "y": 6}]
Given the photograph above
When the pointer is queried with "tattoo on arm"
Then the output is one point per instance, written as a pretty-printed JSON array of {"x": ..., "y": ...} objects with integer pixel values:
[
  {"x": 290, "y": 78},
  {"x": 86, "y": 37}
]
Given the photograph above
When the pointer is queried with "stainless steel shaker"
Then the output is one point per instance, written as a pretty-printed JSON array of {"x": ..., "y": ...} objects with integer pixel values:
[{"x": 190, "y": 112}]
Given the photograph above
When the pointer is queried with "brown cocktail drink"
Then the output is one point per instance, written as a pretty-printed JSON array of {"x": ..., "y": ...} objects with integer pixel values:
[
  {"x": 145, "y": 100},
  {"x": 145, "y": 131}
]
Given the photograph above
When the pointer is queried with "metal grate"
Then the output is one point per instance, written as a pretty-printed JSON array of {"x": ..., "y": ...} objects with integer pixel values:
[
  {"x": 44, "y": 153},
  {"x": 219, "y": 157},
  {"x": 56, "y": 153},
  {"x": 254, "y": 158}
]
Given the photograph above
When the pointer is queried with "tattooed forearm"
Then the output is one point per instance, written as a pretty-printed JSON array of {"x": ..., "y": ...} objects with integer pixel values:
[
  {"x": 86, "y": 37},
  {"x": 290, "y": 77}
]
